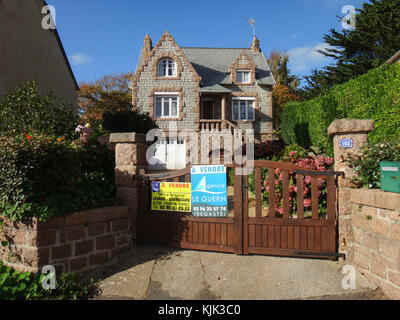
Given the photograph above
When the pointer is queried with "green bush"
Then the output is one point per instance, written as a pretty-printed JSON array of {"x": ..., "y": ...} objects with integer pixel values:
[
  {"x": 367, "y": 165},
  {"x": 127, "y": 121},
  {"x": 27, "y": 111},
  {"x": 375, "y": 95},
  {"x": 43, "y": 176},
  {"x": 15, "y": 285},
  {"x": 293, "y": 152}
]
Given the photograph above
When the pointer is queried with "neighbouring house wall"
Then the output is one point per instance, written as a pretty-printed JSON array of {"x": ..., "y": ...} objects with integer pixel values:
[
  {"x": 77, "y": 243},
  {"x": 28, "y": 52},
  {"x": 373, "y": 241}
]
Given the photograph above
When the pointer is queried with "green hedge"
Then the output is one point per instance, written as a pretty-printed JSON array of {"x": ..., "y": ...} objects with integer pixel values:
[
  {"x": 43, "y": 176},
  {"x": 375, "y": 95}
]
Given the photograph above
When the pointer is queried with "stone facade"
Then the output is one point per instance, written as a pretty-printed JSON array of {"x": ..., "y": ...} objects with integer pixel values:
[
  {"x": 187, "y": 83},
  {"x": 145, "y": 83},
  {"x": 77, "y": 243}
]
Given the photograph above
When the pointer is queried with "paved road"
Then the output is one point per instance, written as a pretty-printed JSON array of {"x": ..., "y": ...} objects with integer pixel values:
[{"x": 158, "y": 273}]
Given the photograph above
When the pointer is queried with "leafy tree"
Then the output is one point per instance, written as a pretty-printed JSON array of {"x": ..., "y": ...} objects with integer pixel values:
[
  {"x": 316, "y": 83},
  {"x": 109, "y": 94},
  {"x": 27, "y": 111},
  {"x": 281, "y": 95},
  {"x": 278, "y": 63},
  {"x": 374, "y": 40}
]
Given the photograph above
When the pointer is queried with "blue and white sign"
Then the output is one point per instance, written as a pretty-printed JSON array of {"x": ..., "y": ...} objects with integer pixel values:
[
  {"x": 346, "y": 143},
  {"x": 209, "y": 191}
]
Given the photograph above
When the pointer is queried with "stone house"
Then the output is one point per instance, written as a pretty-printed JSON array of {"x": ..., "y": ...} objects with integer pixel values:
[
  {"x": 30, "y": 52},
  {"x": 202, "y": 89}
]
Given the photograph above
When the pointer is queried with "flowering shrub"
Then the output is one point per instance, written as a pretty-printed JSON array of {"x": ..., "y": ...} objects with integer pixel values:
[
  {"x": 367, "y": 164},
  {"x": 47, "y": 176},
  {"x": 85, "y": 133},
  {"x": 320, "y": 163},
  {"x": 293, "y": 152}
]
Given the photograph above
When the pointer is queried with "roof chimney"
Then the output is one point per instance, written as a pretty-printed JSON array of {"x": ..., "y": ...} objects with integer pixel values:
[
  {"x": 255, "y": 45},
  {"x": 148, "y": 45}
]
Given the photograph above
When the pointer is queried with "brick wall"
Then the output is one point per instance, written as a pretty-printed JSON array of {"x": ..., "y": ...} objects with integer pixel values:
[
  {"x": 77, "y": 243},
  {"x": 372, "y": 241}
]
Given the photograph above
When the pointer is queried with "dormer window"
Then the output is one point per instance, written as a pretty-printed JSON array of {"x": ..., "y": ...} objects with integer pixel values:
[
  {"x": 166, "y": 68},
  {"x": 243, "y": 76}
]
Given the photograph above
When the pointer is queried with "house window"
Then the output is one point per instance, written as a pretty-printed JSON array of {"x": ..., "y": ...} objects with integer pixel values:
[
  {"x": 166, "y": 106},
  {"x": 243, "y": 109},
  {"x": 166, "y": 68},
  {"x": 243, "y": 76}
]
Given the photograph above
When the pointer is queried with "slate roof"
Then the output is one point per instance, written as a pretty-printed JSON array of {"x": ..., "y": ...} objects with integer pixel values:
[{"x": 212, "y": 65}]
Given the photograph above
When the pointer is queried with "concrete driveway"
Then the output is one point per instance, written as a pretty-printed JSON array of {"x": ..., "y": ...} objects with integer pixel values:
[{"x": 158, "y": 273}]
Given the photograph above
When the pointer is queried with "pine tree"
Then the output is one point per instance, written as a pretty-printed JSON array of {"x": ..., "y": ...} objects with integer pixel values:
[{"x": 374, "y": 40}]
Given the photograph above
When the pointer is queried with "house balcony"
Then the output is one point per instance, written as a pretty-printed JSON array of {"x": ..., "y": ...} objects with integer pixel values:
[{"x": 213, "y": 113}]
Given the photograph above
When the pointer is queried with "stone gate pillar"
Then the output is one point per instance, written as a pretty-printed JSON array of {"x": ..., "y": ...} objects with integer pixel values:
[
  {"x": 349, "y": 135},
  {"x": 130, "y": 161}
]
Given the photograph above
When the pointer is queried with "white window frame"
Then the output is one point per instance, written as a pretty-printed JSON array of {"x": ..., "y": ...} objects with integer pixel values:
[
  {"x": 241, "y": 77},
  {"x": 164, "y": 96},
  {"x": 164, "y": 70},
  {"x": 247, "y": 100}
]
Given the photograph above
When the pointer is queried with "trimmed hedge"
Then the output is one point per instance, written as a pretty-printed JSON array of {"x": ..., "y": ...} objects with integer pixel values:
[{"x": 375, "y": 95}]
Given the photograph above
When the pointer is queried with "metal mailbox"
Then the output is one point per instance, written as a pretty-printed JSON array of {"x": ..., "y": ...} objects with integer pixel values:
[{"x": 390, "y": 176}]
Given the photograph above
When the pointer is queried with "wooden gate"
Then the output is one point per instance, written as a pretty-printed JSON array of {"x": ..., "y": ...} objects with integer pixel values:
[
  {"x": 275, "y": 221},
  {"x": 184, "y": 230},
  {"x": 260, "y": 221}
]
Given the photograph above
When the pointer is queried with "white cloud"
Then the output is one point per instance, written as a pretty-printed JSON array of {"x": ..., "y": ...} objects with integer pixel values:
[
  {"x": 80, "y": 58},
  {"x": 304, "y": 58}
]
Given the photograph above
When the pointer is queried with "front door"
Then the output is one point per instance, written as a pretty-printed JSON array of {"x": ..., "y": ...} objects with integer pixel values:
[{"x": 208, "y": 110}]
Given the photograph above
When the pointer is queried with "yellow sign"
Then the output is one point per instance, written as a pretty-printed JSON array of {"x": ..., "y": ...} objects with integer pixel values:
[{"x": 171, "y": 196}]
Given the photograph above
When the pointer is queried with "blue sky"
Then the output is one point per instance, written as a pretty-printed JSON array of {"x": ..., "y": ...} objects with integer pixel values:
[{"x": 104, "y": 37}]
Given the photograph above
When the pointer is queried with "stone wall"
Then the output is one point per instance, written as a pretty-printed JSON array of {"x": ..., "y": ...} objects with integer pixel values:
[
  {"x": 373, "y": 241},
  {"x": 368, "y": 220},
  {"x": 130, "y": 157},
  {"x": 77, "y": 243}
]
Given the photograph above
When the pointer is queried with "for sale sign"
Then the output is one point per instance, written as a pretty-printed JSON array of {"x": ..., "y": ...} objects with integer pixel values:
[
  {"x": 209, "y": 191},
  {"x": 171, "y": 196}
]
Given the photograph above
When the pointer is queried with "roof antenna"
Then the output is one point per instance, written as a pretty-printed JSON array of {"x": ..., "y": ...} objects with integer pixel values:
[{"x": 252, "y": 23}]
